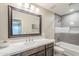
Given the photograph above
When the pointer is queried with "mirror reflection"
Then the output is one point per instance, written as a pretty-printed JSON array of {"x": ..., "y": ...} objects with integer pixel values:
[{"x": 25, "y": 23}]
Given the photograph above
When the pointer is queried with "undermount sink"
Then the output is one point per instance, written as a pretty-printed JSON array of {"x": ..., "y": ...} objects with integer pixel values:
[{"x": 32, "y": 41}]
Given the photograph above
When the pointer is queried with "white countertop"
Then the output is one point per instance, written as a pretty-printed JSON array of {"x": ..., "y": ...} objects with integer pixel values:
[{"x": 16, "y": 48}]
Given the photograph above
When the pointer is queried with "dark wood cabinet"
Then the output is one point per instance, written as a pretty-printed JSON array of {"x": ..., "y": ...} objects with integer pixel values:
[
  {"x": 40, "y": 53},
  {"x": 49, "y": 51},
  {"x": 45, "y": 50},
  {"x": 35, "y": 52}
]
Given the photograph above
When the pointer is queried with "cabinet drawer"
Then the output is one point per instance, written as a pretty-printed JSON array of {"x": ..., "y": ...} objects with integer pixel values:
[
  {"x": 50, "y": 45},
  {"x": 32, "y": 51}
]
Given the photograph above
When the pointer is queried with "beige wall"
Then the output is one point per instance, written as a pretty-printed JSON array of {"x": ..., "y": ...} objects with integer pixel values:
[{"x": 47, "y": 22}]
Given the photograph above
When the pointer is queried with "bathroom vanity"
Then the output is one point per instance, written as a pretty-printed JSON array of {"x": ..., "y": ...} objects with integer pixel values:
[
  {"x": 42, "y": 47},
  {"x": 45, "y": 50}
]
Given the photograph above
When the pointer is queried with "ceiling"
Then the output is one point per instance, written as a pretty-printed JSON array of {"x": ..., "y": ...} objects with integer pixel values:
[{"x": 60, "y": 8}]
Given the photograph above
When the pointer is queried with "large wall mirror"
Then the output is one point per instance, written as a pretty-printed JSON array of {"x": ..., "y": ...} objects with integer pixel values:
[{"x": 23, "y": 23}]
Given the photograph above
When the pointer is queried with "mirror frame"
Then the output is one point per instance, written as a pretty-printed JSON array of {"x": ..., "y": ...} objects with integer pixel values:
[{"x": 10, "y": 35}]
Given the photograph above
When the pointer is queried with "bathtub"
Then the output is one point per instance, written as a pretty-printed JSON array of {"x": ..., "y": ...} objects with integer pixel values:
[{"x": 69, "y": 49}]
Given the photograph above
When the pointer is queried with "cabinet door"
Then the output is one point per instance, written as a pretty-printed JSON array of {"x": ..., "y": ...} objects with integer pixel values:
[
  {"x": 40, "y": 53},
  {"x": 49, "y": 51}
]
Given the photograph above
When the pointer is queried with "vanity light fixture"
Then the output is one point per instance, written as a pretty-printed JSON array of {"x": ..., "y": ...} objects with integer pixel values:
[
  {"x": 19, "y": 5},
  {"x": 32, "y": 7},
  {"x": 37, "y": 10},
  {"x": 27, "y": 5}
]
